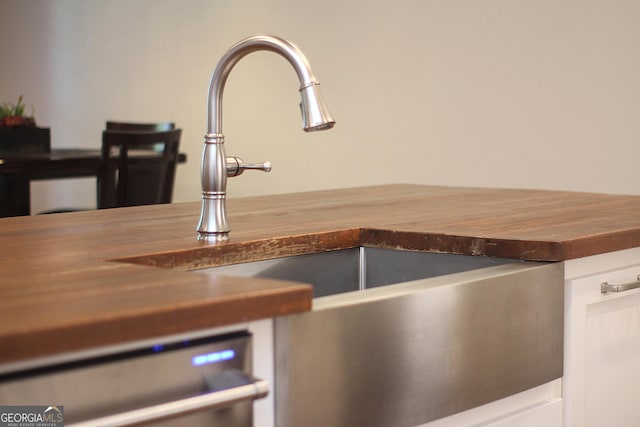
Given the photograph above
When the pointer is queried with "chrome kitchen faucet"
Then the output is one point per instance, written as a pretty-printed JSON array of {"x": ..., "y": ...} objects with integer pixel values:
[{"x": 216, "y": 166}]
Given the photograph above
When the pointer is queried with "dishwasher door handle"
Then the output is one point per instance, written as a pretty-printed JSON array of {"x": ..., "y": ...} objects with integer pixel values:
[
  {"x": 209, "y": 401},
  {"x": 606, "y": 287}
]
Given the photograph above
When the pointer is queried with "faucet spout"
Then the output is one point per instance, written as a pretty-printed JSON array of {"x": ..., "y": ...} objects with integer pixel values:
[{"x": 213, "y": 225}]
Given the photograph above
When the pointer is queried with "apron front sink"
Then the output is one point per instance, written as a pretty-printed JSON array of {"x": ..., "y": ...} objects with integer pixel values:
[{"x": 400, "y": 338}]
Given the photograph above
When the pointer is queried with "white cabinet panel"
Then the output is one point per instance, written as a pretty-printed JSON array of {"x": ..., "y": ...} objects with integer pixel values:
[
  {"x": 602, "y": 342},
  {"x": 263, "y": 409},
  {"x": 539, "y": 406},
  {"x": 547, "y": 414},
  {"x": 612, "y": 367}
]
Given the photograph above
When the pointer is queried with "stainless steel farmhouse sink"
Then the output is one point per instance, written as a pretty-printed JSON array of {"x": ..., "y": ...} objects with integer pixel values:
[
  {"x": 399, "y": 338},
  {"x": 355, "y": 269}
]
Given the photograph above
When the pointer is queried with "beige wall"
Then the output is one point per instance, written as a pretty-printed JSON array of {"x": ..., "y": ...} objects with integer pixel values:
[{"x": 493, "y": 93}]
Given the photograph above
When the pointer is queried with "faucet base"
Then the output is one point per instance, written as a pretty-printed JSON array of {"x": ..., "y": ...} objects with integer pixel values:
[{"x": 213, "y": 237}]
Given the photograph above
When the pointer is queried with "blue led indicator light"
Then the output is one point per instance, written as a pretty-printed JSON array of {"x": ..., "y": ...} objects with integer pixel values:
[
  {"x": 158, "y": 347},
  {"x": 215, "y": 357}
]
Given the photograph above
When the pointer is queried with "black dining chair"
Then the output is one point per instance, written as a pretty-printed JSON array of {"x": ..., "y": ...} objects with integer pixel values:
[
  {"x": 134, "y": 170},
  {"x": 137, "y": 167}
]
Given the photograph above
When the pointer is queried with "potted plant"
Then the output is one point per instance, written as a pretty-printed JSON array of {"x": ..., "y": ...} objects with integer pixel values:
[{"x": 19, "y": 133}]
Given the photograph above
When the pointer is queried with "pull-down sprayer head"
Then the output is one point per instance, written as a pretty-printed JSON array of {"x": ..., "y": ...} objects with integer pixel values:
[{"x": 315, "y": 115}]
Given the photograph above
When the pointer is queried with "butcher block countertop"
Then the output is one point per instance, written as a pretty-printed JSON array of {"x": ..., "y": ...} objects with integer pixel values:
[{"x": 82, "y": 280}]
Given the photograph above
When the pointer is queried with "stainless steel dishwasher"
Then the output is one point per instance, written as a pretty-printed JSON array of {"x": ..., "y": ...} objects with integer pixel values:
[{"x": 199, "y": 382}]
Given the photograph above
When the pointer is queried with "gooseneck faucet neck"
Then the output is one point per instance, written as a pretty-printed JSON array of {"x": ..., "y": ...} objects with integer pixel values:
[
  {"x": 238, "y": 51},
  {"x": 213, "y": 225}
]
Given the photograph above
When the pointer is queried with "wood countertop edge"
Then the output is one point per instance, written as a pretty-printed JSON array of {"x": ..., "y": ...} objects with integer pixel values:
[{"x": 133, "y": 324}]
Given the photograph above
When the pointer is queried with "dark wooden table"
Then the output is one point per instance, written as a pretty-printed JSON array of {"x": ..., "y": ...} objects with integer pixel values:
[{"x": 17, "y": 172}]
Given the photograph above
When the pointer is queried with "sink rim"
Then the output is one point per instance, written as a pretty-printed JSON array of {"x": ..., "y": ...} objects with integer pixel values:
[{"x": 354, "y": 270}]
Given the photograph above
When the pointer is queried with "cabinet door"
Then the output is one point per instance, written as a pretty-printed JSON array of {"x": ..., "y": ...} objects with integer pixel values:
[{"x": 602, "y": 351}]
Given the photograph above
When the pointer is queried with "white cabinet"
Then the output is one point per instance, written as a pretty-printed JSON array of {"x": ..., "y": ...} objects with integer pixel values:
[
  {"x": 539, "y": 406},
  {"x": 263, "y": 367},
  {"x": 602, "y": 342}
]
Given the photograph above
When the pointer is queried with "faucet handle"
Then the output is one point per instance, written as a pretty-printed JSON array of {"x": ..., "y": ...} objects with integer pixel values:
[{"x": 235, "y": 166}]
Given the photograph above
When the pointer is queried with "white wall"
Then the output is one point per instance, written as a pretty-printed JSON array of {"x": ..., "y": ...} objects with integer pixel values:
[{"x": 493, "y": 93}]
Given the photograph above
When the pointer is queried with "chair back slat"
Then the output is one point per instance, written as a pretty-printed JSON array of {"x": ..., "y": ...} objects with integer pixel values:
[{"x": 134, "y": 171}]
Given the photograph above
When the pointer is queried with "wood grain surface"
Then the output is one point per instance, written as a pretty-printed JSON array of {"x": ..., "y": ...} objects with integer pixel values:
[{"x": 81, "y": 280}]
